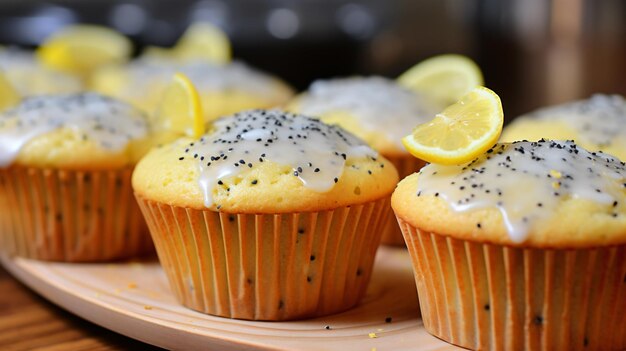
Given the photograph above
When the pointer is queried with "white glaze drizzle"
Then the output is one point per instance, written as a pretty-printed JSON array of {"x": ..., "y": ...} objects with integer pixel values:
[
  {"x": 526, "y": 181},
  {"x": 31, "y": 78},
  {"x": 380, "y": 104},
  {"x": 599, "y": 120},
  {"x": 316, "y": 152},
  {"x": 206, "y": 76},
  {"x": 109, "y": 122}
]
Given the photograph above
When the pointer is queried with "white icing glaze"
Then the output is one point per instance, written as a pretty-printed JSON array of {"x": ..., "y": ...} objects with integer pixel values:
[
  {"x": 526, "y": 181},
  {"x": 379, "y": 103},
  {"x": 30, "y": 78},
  {"x": 316, "y": 152},
  {"x": 14, "y": 57},
  {"x": 206, "y": 77},
  {"x": 584, "y": 115},
  {"x": 111, "y": 123}
]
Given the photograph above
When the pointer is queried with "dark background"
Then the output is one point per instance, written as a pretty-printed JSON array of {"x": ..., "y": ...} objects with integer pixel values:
[{"x": 532, "y": 52}]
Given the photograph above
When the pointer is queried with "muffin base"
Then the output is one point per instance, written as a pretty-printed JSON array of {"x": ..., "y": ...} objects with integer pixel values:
[
  {"x": 267, "y": 266},
  {"x": 406, "y": 165},
  {"x": 70, "y": 216},
  {"x": 492, "y": 297}
]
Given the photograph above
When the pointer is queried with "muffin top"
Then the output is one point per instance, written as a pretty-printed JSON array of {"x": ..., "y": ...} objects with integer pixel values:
[
  {"x": 136, "y": 79},
  {"x": 596, "y": 124},
  {"x": 538, "y": 194},
  {"x": 376, "y": 109},
  {"x": 262, "y": 161},
  {"x": 31, "y": 78},
  {"x": 83, "y": 131}
]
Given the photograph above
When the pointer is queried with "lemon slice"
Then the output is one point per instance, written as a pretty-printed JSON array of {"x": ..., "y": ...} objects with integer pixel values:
[
  {"x": 9, "y": 97},
  {"x": 180, "y": 110},
  {"x": 203, "y": 41},
  {"x": 81, "y": 49},
  {"x": 461, "y": 132},
  {"x": 445, "y": 78}
]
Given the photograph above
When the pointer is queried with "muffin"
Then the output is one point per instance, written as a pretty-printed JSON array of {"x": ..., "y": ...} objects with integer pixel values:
[
  {"x": 523, "y": 248},
  {"x": 268, "y": 216},
  {"x": 596, "y": 124},
  {"x": 81, "y": 49},
  {"x": 29, "y": 77},
  {"x": 65, "y": 171},
  {"x": 377, "y": 110},
  {"x": 223, "y": 88}
]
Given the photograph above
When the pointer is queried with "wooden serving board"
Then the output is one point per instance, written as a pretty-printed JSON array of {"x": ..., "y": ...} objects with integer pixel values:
[{"x": 133, "y": 298}]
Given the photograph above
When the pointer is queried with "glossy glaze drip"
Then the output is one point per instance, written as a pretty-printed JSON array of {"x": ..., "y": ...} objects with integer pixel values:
[
  {"x": 205, "y": 76},
  {"x": 379, "y": 103},
  {"x": 110, "y": 123},
  {"x": 315, "y": 151},
  {"x": 599, "y": 120},
  {"x": 30, "y": 78},
  {"x": 526, "y": 181}
]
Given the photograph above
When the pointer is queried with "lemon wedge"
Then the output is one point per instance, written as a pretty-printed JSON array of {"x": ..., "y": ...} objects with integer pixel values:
[
  {"x": 203, "y": 40},
  {"x": 445, "y": 78},
  {"x": 9, "y": 97},
  {"x": 461, "y": 132},
  {"x": 80, "y": 49},
  {"x": 180, "y": 110}
]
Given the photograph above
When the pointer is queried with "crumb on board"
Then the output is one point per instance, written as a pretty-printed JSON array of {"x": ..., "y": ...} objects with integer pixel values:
[
  {"x": 146, "y": 307},
  {"x": 372, "y": 335},
  {"x": 132, "y": 286}
]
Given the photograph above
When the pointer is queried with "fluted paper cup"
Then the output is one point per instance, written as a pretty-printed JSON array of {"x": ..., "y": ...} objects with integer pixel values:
[
  {"x": 406, "y": 165},
  {"x": 491, "y": 297},
  {"x": 70, "y": 216},
  {"x": 267, "y": 266}
]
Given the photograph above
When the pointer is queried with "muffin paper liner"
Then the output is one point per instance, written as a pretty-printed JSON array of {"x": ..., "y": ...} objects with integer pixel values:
[
  {"x": 71, "y": 216},
  {"x": 492, "y": 297},
  {"x": 406, "y": 165},
  {"x": 267, "y": 266}
]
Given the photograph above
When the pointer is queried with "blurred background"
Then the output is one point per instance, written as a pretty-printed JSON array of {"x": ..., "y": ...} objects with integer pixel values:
[{"x": 532, "y": 52}]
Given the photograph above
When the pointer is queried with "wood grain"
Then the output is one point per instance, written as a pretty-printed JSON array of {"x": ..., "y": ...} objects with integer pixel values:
[
  {"x": 28, "y": 322},
  {"x": 134, "y": 299}
]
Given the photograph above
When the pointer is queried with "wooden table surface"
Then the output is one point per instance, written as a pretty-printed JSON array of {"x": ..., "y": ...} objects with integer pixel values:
[{"x": 29, "y": 322}]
